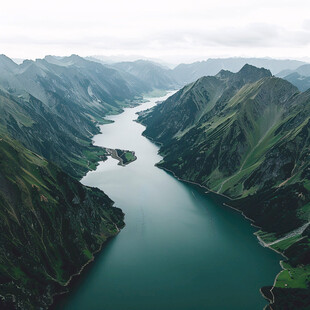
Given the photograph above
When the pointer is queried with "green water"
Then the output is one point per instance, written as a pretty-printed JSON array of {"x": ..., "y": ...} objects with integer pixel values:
[{"x": 180, "y": 249}]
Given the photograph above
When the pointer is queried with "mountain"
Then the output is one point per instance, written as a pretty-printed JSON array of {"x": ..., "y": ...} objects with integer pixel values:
[
  {"x": 126, "y": 58},
  {"x": 300, "y": 81},
  {"x": 47, "y": 133},
  {"x": 154, "y": 75},
  {"x": 53, "y": 105},
  {"x": 299, "y": 77},
  {"x": 187, "y": 73},
  {"x": 123, "y": 87},
  {"x": 303, "y": 70},
  {"x": 51, "y": 226},
  {"x": 246, "y": 135},
  {"x": 88, "y": 85}
]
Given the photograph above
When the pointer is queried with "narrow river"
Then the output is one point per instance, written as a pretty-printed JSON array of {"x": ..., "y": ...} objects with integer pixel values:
[{"x": 180, "y": 249}]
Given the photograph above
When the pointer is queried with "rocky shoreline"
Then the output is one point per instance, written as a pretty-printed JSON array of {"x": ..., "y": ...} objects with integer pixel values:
[
  {"x": 247, "y": 218},
  {"x": 124, "y": 157}
]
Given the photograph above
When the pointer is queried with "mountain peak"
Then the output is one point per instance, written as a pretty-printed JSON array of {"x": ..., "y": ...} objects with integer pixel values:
[
  {"x": 224, "y": 74},
  {"x": 7, "y": 62},
  {"x": 73, "y": 60},
  {"x": 75, "y": 57},
  {"x": 249, "y": 70},
  {"x": 51, "y": 58},
  {"x": 251, "y": 74},
  {"x": 4, "y": 57},
  {"x": 66, "y": 61}
]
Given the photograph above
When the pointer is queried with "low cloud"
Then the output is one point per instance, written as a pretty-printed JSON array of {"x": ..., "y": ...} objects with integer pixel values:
[
  {"x": 252, "y": 36},
  {"x": 154, "y": 29}
]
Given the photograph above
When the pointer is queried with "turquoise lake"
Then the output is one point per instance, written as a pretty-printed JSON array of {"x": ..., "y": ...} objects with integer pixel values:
[{"x": 180, "y": 249}]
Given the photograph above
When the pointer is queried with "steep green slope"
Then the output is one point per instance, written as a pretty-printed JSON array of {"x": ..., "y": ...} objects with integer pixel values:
[
  {"x": 52, "y": 106},
  {"x": 51, "y": 226},
  {"x": 246, "y": 136},
  {"x": 45, "y": 132},
  {"x": 88, "y": 86}
]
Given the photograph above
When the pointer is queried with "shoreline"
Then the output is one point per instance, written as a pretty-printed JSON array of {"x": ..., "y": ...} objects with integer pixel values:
[
  {"x": 264, "y": 244},
  {"x": 75, "y": 275},
  {"x": 54, "y": 296},
  {"x": 260, "y": 241},
  {"x": 114, "y": 155}
]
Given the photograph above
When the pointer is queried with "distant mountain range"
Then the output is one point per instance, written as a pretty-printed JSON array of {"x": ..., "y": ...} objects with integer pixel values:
[
  {"x": 246, "y": 135},
  {"x": 159, "y": 76},
  {"x": 144, "y": 75},
  {"x": 154, "y": 75},
  {"x": 59, "y": 101},
  {"x": 300, "y": 77},
  {"x": 187, "y": 73}
]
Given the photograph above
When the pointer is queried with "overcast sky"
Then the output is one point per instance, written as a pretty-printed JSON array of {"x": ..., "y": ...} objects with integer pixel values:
[{"x": 172, "y": 30}]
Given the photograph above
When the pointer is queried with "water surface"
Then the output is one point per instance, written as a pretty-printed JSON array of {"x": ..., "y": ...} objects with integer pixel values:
[{"x": 180, "y": 249}]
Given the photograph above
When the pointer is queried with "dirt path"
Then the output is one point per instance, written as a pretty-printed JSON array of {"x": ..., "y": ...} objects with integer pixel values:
[{"x": 291, "y": 234}]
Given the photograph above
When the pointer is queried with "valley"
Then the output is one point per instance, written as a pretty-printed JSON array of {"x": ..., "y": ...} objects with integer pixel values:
[
  {"x": 241, "y": 136},
  {"x": 52, "y": 225},
  {"x": 179, "y": 246},
  {"x": 245, "y": 136}
]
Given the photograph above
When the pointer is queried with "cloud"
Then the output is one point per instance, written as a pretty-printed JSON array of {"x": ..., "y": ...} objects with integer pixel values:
[
  {"x": 31, "y": 28},
  {"x": 252, "y": 35}
]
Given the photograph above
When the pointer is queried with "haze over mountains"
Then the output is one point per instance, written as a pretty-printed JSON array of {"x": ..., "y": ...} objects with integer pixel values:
[
  {"x": 183, "y": 74},
  {"x": 300, "y": 77},
  {"x": 147, "y": 74},
  {"x": 188, "y": 73}
]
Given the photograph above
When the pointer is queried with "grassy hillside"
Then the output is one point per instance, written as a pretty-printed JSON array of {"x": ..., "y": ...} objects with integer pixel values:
[
  {"x": 53, "y": 105},
  {"x": 50, "y": 227},
  {"x": 187, "y": 73},
  {"x": 38, "y": 128},
  {"x": 246, "y": 136}
]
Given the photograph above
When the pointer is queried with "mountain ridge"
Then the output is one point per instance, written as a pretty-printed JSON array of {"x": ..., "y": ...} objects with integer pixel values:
[
  {"x": 248, "y": 142},
  {"x": 187, "y": 73},
  {"x": 41, "y": 209},
  {"x": 63, "y": 104},
  {"x": 51, "y": 225}
]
